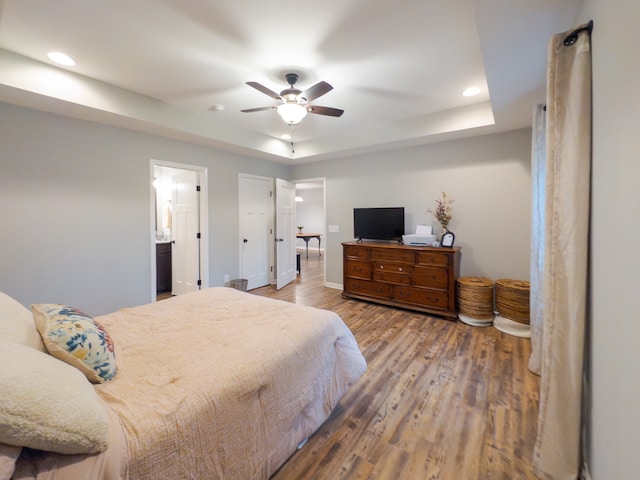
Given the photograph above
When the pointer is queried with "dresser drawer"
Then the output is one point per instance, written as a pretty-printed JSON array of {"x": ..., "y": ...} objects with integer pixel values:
[
  {"x": 392, "y": 267},
  {"x": 364, "y": 287},
  {"x": 358, "y": 269},
  {"x": 392, "y": 277},
  {"x": 356, "y": 251},
  {"x": 393, "y": 254},
  {"x": 430, "y": 277},
  {"x": 421, "y": 296},
  {"x": 433, "y": 258}
]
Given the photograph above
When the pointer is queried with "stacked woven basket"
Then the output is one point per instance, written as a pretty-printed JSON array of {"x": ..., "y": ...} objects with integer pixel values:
[
  {"x": 476, "y": 304},
  {"x": 475, "y": 301},
  {"x": 512, "y": 304},
  {"x": 512, "y": 300}
]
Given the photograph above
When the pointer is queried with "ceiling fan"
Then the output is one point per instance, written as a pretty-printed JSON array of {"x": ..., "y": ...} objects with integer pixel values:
[{"x": 294, "y": 104}]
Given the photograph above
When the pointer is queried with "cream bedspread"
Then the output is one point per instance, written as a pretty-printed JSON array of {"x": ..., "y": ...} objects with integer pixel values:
[{"x": 224, "y": 384}]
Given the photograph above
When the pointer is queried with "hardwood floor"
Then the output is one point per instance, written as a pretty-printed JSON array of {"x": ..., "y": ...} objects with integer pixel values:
[
  {"x": 440, "y": 399},
  {"x": 163, "y": 295}
]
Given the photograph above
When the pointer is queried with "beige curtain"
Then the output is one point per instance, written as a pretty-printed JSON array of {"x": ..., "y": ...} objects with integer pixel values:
[{"x": 564, "y": 281}]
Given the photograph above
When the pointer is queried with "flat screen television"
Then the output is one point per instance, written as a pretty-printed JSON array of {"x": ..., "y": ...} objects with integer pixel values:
[{"x": 385, "y": 223}]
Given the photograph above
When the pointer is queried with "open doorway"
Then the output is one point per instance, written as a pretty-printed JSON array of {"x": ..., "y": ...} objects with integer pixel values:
[
  {"x": 179, "y": 229},
  {"x": 267, "y": 231},
  {"x": 311, "y": 222}
]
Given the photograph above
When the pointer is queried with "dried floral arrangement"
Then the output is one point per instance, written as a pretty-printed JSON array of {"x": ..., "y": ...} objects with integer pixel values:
[{"x": 443, "y": 211}]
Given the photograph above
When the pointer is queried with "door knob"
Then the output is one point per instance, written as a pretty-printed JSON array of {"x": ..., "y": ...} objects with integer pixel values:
[{"x": 245, "y": 240}]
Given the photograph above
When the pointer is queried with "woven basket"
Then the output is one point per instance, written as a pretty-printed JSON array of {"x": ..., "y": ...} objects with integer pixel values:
[
  {"x": 475, "y": 297},
  {"x": 512, "y": 300},
  {"x": 239, "y": 284}
]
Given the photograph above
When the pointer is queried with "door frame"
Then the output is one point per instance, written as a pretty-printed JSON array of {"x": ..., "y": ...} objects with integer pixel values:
[{"x": 203, "y": 207}]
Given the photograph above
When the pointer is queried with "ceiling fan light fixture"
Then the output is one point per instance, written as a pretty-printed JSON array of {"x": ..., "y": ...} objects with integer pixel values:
[
  {"x": 294, "y": 103},
  {"x": 292, "y": 113}
]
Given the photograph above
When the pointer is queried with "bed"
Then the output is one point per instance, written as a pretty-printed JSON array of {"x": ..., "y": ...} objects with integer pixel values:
[{"x": 215, "y": 384}]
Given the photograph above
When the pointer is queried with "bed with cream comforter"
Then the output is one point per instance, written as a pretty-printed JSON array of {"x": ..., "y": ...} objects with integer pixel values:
[{"x": 216, "y": 384}]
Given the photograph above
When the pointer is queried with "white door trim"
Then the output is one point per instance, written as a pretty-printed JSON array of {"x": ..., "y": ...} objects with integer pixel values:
[{"x": 204, "y": 220}]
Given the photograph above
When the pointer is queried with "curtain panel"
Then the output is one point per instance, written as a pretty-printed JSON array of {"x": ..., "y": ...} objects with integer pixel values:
[{"x": 564, "y": 279}]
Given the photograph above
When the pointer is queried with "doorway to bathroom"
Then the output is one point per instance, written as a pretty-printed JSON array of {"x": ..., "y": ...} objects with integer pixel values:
[{"x": 179, "y": 228}]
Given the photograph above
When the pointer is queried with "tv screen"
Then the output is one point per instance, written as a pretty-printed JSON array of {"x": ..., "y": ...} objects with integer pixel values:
[{"x": 385, "y": 223}]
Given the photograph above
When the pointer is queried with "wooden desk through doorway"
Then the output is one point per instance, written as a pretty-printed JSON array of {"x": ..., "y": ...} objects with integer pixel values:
[{"x": 308, "y": 236}]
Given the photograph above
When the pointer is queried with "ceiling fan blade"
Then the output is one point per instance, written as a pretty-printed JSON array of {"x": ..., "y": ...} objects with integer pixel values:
[
  {"x": 259, "y": 109},
  {"x": 264, "y": 90},
  {"x": 332, "y": 112},
  {"x": 316, "y": 91}
]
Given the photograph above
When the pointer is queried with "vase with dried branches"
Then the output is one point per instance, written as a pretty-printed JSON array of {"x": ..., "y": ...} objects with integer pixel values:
[{"x": 443, "y": 212}]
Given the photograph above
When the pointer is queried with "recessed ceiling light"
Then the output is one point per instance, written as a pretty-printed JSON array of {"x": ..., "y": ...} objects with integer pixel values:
[
  {"x": 471, "y": 91},
  {"x": 61, "y": 58},
  {"x": 216, "y": 108}
]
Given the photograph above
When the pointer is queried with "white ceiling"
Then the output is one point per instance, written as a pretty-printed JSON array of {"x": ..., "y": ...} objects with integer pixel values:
[{"x": 397, "y": 67}]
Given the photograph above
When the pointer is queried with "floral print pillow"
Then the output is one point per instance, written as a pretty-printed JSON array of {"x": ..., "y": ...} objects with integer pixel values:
[{"x": 77, "y": 339}]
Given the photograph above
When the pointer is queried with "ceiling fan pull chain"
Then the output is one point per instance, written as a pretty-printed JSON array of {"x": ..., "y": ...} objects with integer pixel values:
[{"x": 293, "y": 149}]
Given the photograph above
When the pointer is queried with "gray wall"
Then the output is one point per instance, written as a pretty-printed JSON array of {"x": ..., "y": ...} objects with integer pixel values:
[
  {"x": 77, "y": 213},
  {"x": 489, "y": 178},
  {"x": 614, "y": 421}
]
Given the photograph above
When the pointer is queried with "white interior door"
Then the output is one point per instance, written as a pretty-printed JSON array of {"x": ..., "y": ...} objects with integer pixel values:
[
  {"x": 185, "y": 228},
  {"x": 285, "y": 233},
  {"x": 256, "y": 229}
]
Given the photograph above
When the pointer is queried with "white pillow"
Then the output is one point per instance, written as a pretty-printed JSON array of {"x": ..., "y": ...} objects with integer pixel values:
[
  {"x": 47, "y": 404},
  {"x": 17, "y": 325}
]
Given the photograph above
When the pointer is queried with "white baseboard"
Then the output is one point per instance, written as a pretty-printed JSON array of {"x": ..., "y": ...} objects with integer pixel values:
[{"x": 337, "y": 286}]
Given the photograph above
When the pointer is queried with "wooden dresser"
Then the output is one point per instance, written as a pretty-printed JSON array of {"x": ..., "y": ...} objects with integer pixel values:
[{"x": 407, "y": 276}]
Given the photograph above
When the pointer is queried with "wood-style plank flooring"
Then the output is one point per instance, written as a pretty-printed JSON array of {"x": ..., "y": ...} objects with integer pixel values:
[{"x": 440, "y": 399}]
